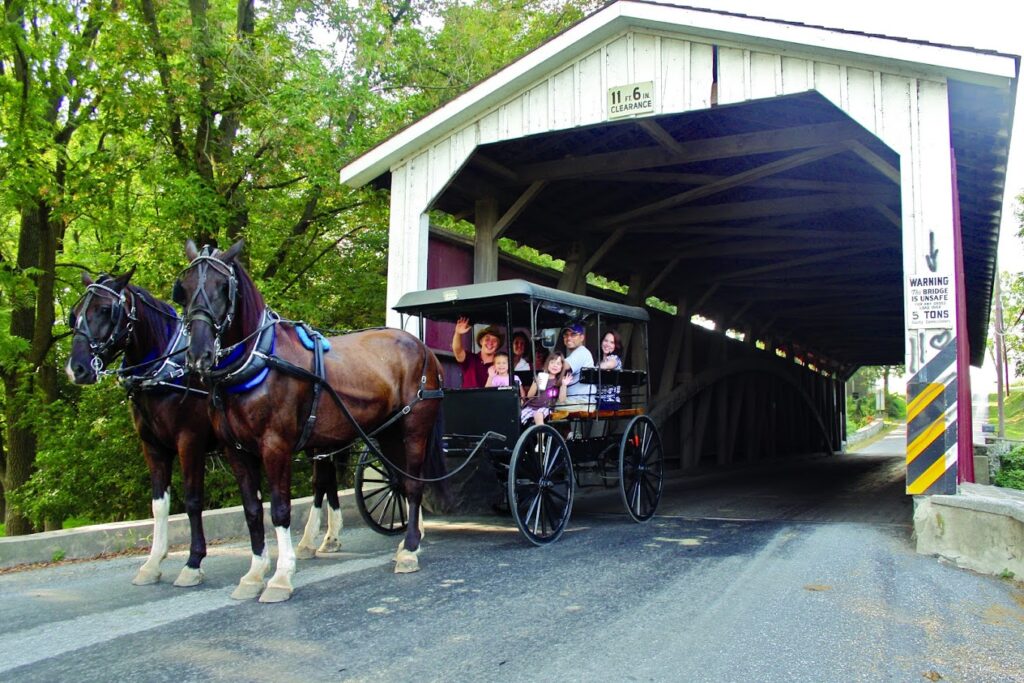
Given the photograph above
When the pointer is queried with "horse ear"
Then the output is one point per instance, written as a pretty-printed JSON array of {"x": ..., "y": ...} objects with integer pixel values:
[
  {"x": 190, "y": 250},
  {"x": 86, "y": 278},
  {"x": 231, "y": 253},
  {"x": 122, "y": 280}
]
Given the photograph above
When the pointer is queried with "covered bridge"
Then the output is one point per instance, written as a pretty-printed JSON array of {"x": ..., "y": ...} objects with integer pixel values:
[{"x": 832, "y": 197}]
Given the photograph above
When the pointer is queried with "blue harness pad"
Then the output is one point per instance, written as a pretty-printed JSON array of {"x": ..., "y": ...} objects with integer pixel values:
[{"x": 308, "y": 342}]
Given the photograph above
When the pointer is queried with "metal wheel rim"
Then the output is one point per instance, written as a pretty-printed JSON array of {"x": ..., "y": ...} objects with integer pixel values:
[
  {"x": 381, "y": 503},
  {"x": 540, "y": 484},
  {"x": 641, "y": 468}
]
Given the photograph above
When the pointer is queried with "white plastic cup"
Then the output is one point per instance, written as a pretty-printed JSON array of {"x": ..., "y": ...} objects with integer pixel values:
[{"x": 542, "y": 380}]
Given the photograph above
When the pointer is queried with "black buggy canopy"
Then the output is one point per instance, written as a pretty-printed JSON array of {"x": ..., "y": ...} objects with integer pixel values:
[{"x": 489, "y": 302}]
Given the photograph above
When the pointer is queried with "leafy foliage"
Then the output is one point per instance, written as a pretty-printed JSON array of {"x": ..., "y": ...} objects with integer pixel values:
[
  {"x": 126, "y": 128},
  {"x": 1011, "y": 470}
]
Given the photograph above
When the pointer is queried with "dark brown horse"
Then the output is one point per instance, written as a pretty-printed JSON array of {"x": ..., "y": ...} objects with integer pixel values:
[
  {"x": 273, "y": 396},
  {"x": 112, "y": 318}
]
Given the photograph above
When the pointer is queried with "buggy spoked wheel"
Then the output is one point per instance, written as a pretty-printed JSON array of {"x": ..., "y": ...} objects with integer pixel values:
[
  {"x": 379, "y": 496},
  {"x": 641, "y": 468},
  {"x": 540, "y": 484}
]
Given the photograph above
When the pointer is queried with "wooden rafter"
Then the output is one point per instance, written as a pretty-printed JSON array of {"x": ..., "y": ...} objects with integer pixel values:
[
  {"x": 726, "y": 147},
  {"x": 729, "y": 182},
  {"x": 610, "y": 242},
  {"x": 875, "y": 161},
  {"x": 520, "y": 204},
  {"x": 791, "y": 263},
  {"x": 660, "y": 135},
  {"x": 494, "y": 167},
  {"x": 763, "y": 208},
  {"x": 889, "y": 215},
  {"x": 670, "y": 178}
]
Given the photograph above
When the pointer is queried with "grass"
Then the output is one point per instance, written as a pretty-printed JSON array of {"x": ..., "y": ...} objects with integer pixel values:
[
  {"x": 2, "y": 532},
  {"x": 1013, "y": 411}
]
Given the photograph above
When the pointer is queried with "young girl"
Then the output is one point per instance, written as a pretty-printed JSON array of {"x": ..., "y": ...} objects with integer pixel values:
[
  {"x": 497, "y": 374},
  {"x": 611, "y": 359},
  {"x": 539, "y": 401}
]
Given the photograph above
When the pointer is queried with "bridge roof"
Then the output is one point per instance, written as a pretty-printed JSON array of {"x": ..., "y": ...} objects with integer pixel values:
[{"x": 812, "y": 255}]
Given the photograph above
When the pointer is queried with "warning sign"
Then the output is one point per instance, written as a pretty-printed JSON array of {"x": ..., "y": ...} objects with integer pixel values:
[{"x": 931, "y": 301}]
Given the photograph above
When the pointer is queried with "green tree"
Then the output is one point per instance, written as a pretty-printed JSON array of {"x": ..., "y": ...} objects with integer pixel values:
[{"x": 126, "y": 128}]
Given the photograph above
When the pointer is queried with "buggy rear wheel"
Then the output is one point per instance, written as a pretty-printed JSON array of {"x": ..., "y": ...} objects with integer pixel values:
[
  {"x": 540, "y": 484},
  {"x": 379, "y": 496},
  {"x": 641, "y": 468}
]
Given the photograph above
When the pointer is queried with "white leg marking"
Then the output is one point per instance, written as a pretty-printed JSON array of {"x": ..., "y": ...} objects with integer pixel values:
[
  {"x": 150, "y": 571},
  {"x": 306, "y": 549},
  {"x": 406, "y": 561},
  {"x": 252, "y": 583},
  {"x": 279, "y": 588},
  {"x": 332, "y": 541}
]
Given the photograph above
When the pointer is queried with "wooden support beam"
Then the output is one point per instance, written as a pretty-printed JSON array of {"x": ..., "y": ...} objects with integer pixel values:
[
  {"x": 494, "y": 167},
  {"x": 889, "y": 215},
  {"x": 571, "y": 276},
  {"x": 763, "y": 171},
  {"x": 660, "y": 135},
  {"x": 517, "y": 208},
  {"x": 726, "y": 147},
  {"x": 695, "y": 179},
  {"x": 485, "y": 247},
  {"x": 875, "y": 161},
  {"x": 675, "y": 342},
  {"x": 761, "y": 208},
  {"x": 784, "y": 265},
  {"x": 610, "y": 242},
  {"x": 668, "y": 268}
]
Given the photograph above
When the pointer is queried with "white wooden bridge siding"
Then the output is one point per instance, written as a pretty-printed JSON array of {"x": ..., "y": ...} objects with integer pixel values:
[{"x": 906, "y": 111}]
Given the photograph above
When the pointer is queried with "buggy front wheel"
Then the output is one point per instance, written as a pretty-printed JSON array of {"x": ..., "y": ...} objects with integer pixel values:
[
  {"x": 641, "y": 468},
  {"x": 379, "y": 496},
  {"x": 540, "y": 484}
]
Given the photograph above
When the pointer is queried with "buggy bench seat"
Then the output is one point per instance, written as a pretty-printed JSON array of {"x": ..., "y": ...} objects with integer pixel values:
[
  {"x": 630, "y": 397},
  {"x": 574, "y": 414}
]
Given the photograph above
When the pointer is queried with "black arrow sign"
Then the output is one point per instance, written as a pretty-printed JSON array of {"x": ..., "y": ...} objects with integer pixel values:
[{"x": 932, "y": 259}]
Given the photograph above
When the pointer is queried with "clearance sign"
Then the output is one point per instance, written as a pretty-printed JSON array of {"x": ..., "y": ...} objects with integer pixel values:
[
  {"x": 931, "y": 301},
  {"x": 632, "y": 99}
]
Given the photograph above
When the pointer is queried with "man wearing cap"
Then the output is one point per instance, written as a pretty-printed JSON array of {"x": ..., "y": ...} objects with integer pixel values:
[
  {"x": 474, "y": 366},
  {"x": 577, "y": 357}
]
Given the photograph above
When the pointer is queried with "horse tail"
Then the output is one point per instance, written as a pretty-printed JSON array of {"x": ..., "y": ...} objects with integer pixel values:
[{"x": 434, "y": 466}]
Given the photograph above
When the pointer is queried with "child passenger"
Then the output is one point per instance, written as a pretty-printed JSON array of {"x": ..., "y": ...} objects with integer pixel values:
[
  {"x": 555, "y": 379},
  {"x": 498, "y": 375}
]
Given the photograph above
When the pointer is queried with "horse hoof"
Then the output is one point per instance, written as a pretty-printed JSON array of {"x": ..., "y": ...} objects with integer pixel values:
[
  {"x": 305, "y": 552},
  {"x": 189, "y": 577},
  {"x": 406, "y": 562},
  {"x": 275, "y": 595},
  {"x": 329, "y": 546},
  {"x": 247, "y": 591},
  {"x": 146, "y": 577}
]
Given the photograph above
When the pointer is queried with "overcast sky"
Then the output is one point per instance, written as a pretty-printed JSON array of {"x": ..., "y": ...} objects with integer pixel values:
[{"x": 986, "y": 24}]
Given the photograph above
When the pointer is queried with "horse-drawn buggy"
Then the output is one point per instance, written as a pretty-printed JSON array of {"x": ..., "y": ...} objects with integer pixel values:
[
  {"x": 601, "y": 438},
  {"x": 262, "y": 388}
]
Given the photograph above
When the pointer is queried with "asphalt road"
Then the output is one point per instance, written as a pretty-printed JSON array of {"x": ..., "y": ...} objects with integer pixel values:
[{"x": 801, "y": 573}]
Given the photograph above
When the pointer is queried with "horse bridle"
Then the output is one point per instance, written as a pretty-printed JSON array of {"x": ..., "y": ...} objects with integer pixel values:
[
  {"x": 200, "y": 307},
  {"x": 79, "y": 324}
]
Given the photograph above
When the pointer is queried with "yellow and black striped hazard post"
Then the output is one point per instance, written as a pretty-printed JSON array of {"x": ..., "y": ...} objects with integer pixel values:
[{"x": 932, "y": 426}]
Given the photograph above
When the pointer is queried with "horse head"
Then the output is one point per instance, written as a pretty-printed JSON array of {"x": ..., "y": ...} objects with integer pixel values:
[
  {"x": 207, "y": 290},
  {"x": 100, "y": 323}
]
